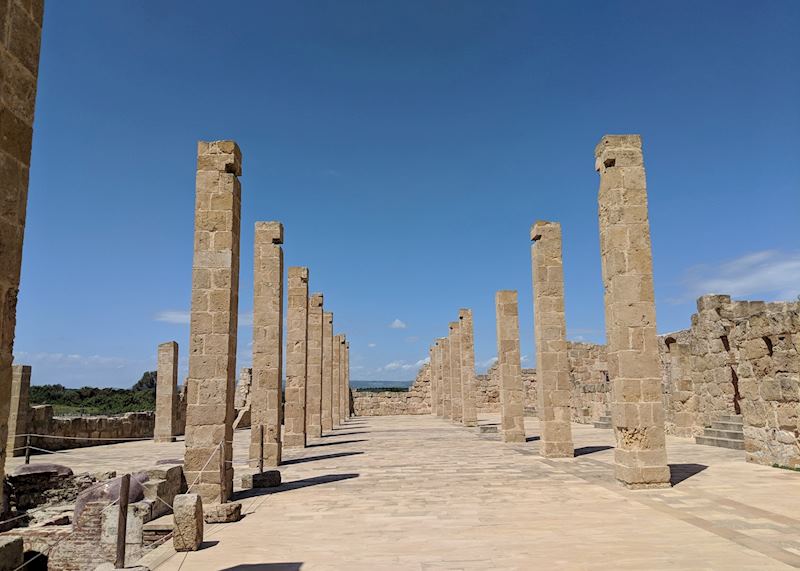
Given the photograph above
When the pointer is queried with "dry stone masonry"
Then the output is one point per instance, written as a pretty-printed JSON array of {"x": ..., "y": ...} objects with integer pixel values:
[
  {"x": 296, "y": 359},
  {"x": 456, "y": 404},
  {"x": 336, "y": 383},
  {"x": 19, "y": 421},
  {"x": 512, "y": 419},
  {"x": 327, "y": 371},
  {"x": 447, "y": 401},
  {"x": 266, "y": 402},
  {"x": 166, "y": 428},
  {"x": 550, "y": 331},
  {"x": 214, "y": 319},
  {"x": 314, "y": 383},
  {"x": 468, "y": 385},
  {"x": 634, "y": 366}
]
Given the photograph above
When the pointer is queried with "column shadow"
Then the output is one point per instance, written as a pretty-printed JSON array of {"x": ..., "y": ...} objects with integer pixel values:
[
  {"x": 680, "y": 472},
  {"x": 265, "y": 567},
  {"x": 320, "y": 457},
  {"x": 345, "y": 433},
  {"x": 532, "y": 438},
  {"x": 584, "y": 450},
  {"x": 334, "y": 443},
  {"x": 294, "y": 485}
]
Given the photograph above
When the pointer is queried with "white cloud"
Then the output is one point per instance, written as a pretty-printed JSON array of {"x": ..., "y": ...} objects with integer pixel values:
[
  {"x": 397, "y": 366},
  {"x": 172, "y": 316},
  {"x": 397, "y": 324},
  {"x": 370, "y": 345},
  {"x": 523, "y": 359},
  {"x": 487, "y": 363},
  {"x": 69, "y": 360},
  {"x": 768, "y": 274}
]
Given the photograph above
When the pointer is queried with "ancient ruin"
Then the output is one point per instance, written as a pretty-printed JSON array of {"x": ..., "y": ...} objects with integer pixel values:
[
  {"x": 469, "y": 415},
  {"x": 456, "y": 404},
  {"x": 512, "y": 421},
  {"x": 327, "y": 371},
  {"x": 336, "y": 384},
  {"x": 294, "y": 418},
  {"x": 166, "y": 428},
  {"x": 314, "y": 375}
]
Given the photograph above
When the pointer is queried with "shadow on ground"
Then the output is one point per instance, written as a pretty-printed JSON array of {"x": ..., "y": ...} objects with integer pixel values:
[
  {"x": 584, "y": 450},
  {"x": 294, "y": 485},
  {"x": 320, "y": 457},
  {"x": 265, "y": 567},
  {"x": 680, "y": 472},
  {"x": 532, "y": 438},
  {"x": 335, "y": 443},
  {"x": 345, "y": 433}
]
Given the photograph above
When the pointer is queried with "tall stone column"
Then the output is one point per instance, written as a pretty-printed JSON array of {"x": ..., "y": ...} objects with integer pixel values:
[
  {"x": 21, "y": 23},
  {"x": 343, "y": 379},
  {"x": 550, "y": 332},
  {"x": 468, "y": 382},
  {"x": 20, "y": 412},
  {"x": 166, "y": 428},
  {"x": 433, "y": 387},
  {"x": 637, "y": 408},
  {"x": 457, "y": 407},
  {"x": 314, "y": 384},
  {"x": 214, "y": 318},
  {"x": 438, "y": 376},
  {"x": 447, "y": 387},
  {"x": 327, "y": 371},
  {"x": 512, "y": 416},
  {"x": 349, "y": 399},
  {"x": 296, "y": 359},
  {"x": 266, "y": 400}
]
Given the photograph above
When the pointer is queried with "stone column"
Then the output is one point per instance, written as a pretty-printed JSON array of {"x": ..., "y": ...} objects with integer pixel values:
[
  {"x": 20, "y": 412},
  {"x": 336, "y": 384},
  {"x": 327, "y": 371},
  {"x": 468, "y": 382},
  {"x": 21, "y": 23},
  {"x": 266, "y": 401},
  {"x": 296, "y": 358},
  {"x": 438, "y": 350},
  {"x": 512, "y": 415},
  {"x": 433, "y": 386},
  {"x": 550, "y": 332},
  {"x": 457, "y": 407},
  {"x": 637, "y": 408},
  {"x": 348, "y": 395},
  {"x": 343, "y": 379},
  {"x": 214, "y": 318},
  {"x": 166, "y": 393},
  {"x": 314, "y": 384},
  {"x": 447, "y": 387}
]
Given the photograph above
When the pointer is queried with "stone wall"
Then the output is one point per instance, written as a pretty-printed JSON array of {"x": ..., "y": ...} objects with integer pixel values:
[
  {"x": 67, "y": 432},
  {"x": 416, "y": 400}
]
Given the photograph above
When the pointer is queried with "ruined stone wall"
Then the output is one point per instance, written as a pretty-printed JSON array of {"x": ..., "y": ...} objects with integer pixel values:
[
  {"x": 591, "y": 388},
  {"x": 65, "y": 433},
  {"x": 417, "y": 400}
]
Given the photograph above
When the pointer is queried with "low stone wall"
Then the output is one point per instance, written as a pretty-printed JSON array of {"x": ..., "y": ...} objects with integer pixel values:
[{"x": 416, "y": 400}]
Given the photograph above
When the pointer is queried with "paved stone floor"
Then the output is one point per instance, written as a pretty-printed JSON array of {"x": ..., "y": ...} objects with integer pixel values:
[{"x": 422, "y": 493}]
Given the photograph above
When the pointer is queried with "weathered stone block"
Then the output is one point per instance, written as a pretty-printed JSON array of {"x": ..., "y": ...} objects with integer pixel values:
[
  {"x": 265, "y": 479},
  {"x": 187, "y": 532},
  {"x": 222, "y": 513}
]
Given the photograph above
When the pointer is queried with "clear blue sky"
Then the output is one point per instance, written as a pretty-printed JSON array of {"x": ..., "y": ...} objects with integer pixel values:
[{"x": 407, "y": 147}]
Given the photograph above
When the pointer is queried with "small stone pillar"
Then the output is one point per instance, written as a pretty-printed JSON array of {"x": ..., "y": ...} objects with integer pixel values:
[
  {"x": 512, "y": 415},
  {"x": 327, "y": 371},
  {"x": 637, "y": 409},
  {"x": 336, "y": 383},
  {"x": 457, "y": 407},
  {"x": 296, "y": 359},
  {"x": 266, "y": 400},
  {"x": 166, "y": 393},
  {"x": 550, "y": 330},
  {"x": 187, "y": 529},
  {"x": 20, "y": 409},
  {"x": 468, "y": 382},
  {"x": 433, "y": 386},
  {"x": 314, "y": 384},
  {"x": 214, "y": 320},
  {"x": 447, "y": 387}
]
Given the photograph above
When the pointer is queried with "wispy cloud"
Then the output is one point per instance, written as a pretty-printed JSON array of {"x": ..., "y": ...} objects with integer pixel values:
[
  {"x": 523, "y": 359},
  {"x": 487, "y": 363},
  {"x": 371, "y": 345},
  {"x": 398, "y": 324},
  {"x": 768, "y": 274},
  {"x": 397, "y": 366},
  {"x": 70, "y": 359},
  {"x": 172, "y": 316},
  {"x": 422, "y": 362}
]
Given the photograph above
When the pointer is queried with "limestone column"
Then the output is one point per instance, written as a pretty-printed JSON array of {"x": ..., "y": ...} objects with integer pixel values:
[
  {"x": 336, "y": 385},
  {"x": 550, "y": 331},
  {"x": 468, "y": 382},
  {"x": 433, "y": 387},
  {"x": 314, "y": 384},
  {"x": 214, "y": 318},
  {"x": 342, "y": 379},
  {"x": 266, "y": 401},
  {"x": 166, "y": 393},
  {"x": 512, "y": 416},
  {"x": 296, "y": 358},
  {"x": 327, "y": 371},
  {"x": 438, "y": 351},
  {"x": 447, "y": 387},
  {"x": 457, "y": 407},
  {"x": 637, "y": 408},
  {"x": 21, "y": 25},
  {"x": 20, "y": 413},
  {"x": 348, "y": 398}
]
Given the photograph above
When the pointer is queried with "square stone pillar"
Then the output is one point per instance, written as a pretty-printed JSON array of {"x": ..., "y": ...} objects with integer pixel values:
[
  {"x": 327, "y": 371},
  {"x": 433, "y": 386},
  {"x": 447, "y": 387},
  {"x": 214, "y": 319},
  {"x": 438, "y": 377},
  {"x": 314, "y": 385},
  {"x": 21, "y": 25},
  {"x": 550, "y": 331},
  {"x": 20, "y": 411},
  {"x": 336, "y": 383},
  {"x": 343, "y": 379},
  {"x": 266, "y": 399},
  {"x": 456, "y": 405},
  {"x": 166, "y": 428},
  {"x": 349, "y": 394},
  {"x": 637, "y": 408},
  {"x": 512, "y": 414},
  {"x": 468, "y": 382},
  {"x": 296, "y": 359}
]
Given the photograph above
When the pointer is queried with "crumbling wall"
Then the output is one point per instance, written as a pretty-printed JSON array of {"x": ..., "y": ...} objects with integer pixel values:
[
  {"x": 591, "y": 387},
  {"x": 417, "y": 400},
  {"x": 65, "y": 433}
]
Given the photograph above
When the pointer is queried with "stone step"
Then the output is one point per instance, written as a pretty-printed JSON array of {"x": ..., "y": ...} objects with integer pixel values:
[
  {"x": 729, "y": 434},
  {"x": 600, "y": 424},
  {"x": 720, "y": 442},
  {"x": 604, "y": 419},
  {"x": 487, "y": 429},
  {"x": 720, "y": 425},
  {"x": 737, "y": 418}
]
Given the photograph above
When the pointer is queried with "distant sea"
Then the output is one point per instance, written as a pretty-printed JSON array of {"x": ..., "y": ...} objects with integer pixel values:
[{"x": 381, "y": 384}]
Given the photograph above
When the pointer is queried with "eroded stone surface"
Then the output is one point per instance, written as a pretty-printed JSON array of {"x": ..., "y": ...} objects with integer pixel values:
[
  {"x": 166, "y": 428},
  {"x": 222, "y": 513},
  {"x": 187, "y": 532},
  {"x": 314, "y": 376},
  {"x": 468, "y": 385},
  {"x": 512, "y": 419},
  {"x": 456, "y": 405},
  {"x": 327, "y": 371},
  {"x": 296, "y": 359}
]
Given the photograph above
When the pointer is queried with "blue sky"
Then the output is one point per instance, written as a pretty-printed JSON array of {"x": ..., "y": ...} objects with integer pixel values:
[{"x": 407, "y": 147}]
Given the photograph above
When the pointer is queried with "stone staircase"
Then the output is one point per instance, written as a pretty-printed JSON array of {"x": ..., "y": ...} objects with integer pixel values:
[
  {"x": 603, "y": 422},
  {"x": 727, "y": 432}
]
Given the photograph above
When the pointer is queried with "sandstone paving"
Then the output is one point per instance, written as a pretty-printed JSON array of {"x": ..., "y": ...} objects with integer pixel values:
[{"x": 417, "y": 492}]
